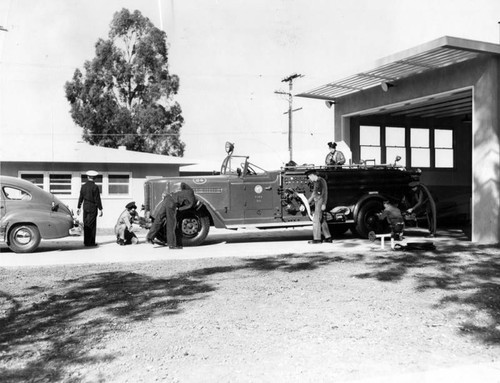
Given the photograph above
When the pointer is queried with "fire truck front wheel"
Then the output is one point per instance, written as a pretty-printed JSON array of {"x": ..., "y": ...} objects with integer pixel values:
[
  {"x": 367, "y": 219},
  {"x": 194, "y": 226}
]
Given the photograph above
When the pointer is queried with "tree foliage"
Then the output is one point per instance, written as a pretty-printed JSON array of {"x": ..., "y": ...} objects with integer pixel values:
[{"x": 125, "y": 95}]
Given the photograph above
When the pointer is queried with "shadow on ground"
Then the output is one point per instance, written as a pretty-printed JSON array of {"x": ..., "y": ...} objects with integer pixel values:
[
  {"x": 470, "y": 275},
  {"x": 44, "y": 331}
]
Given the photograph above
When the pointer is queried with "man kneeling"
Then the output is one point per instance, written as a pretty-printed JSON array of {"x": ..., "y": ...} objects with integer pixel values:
[
  {"x": 123, "y": 227},
  {"x": 394, "y": 218}
]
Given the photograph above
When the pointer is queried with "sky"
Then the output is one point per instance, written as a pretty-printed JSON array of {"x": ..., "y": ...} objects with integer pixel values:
[{"x": 231, "y": 57}]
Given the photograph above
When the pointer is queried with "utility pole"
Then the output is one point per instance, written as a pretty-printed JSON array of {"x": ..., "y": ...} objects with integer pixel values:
[{"x": 289, "y": 80}]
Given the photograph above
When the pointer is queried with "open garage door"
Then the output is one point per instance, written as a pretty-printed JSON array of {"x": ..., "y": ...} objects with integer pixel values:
[{"x": 433, "y": 133}]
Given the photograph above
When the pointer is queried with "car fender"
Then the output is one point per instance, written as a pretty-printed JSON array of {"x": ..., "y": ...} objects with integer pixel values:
[
  {"x": 49, "y": 225},
  {"x": 215, "y": 217}
]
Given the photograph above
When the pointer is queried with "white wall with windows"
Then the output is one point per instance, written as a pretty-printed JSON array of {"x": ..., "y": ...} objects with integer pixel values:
[
  {"x": 111, "y": 185},
  {"x": 430, "y": 148},
  {"x": 119, "y": 183},
  {"x": 117, "y": 189}
]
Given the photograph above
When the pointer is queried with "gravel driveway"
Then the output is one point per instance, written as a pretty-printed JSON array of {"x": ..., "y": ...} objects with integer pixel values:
[{"x": 251, "y": 307}]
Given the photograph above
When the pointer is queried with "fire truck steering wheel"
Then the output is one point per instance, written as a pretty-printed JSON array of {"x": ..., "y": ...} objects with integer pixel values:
[{"x": 250, "y": 170}]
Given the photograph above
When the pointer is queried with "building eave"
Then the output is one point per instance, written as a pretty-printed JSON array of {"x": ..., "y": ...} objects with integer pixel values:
[{"x": 435, "y": 54}]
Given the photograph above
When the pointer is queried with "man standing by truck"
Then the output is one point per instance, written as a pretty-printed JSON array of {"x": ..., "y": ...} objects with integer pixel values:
[
  {"x": 320, "y": 197},
  {"x": 181, "y": 198}
]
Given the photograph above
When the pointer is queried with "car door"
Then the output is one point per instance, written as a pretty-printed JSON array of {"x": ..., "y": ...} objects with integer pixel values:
[{"x": 261, "y": 199}]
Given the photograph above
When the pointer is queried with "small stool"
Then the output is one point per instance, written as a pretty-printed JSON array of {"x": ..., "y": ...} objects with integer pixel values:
[{"x": 372, "y": 236}]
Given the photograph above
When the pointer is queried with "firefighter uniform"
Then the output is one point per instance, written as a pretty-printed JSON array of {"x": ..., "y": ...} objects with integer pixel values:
[
  {"x": 123, "y": 227},
  {"x": 91, "y": 200},
  {"x": 320, "y": 197},
  {"x": 180, "y": 200}
]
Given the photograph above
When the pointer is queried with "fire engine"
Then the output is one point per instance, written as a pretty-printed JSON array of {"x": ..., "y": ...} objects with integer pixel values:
[{"x": 245, "y": 195}]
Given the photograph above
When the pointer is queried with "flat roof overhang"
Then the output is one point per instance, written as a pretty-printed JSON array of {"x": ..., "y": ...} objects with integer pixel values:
[{"x": 435, "y": 54}]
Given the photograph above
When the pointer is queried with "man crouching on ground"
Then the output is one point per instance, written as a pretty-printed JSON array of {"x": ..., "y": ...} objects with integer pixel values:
[{"x": 123, "y": 227}]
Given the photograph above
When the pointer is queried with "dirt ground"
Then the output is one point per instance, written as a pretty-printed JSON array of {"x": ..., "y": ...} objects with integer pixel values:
[{"x": 291, "y": 317}]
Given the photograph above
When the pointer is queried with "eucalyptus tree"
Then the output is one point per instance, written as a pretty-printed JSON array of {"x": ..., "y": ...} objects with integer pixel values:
[{"x": 125, "y": 94}]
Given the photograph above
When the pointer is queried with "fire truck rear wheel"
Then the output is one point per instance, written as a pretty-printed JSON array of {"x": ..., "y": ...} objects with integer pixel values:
[{"x": 367, "y": 219}]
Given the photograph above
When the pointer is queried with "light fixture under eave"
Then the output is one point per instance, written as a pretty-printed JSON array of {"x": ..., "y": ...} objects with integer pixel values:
[
  {"x": 467, "y": 119},
  {"x": 329, "y": 103},
  {"x": 386, "y": 85}
]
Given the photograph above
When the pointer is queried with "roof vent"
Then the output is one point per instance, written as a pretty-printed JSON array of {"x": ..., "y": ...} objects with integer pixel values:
[{"x": 122, "y": 147}]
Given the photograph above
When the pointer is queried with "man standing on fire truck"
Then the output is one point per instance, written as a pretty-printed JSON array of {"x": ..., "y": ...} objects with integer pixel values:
[{"x": 320, "y": 197}]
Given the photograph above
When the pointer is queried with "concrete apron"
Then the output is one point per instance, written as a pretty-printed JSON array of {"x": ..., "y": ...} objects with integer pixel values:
[{"x": 243, "y": 243}]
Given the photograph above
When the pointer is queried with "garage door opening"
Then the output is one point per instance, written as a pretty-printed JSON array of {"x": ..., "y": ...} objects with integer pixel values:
[{"x": 433, "y": 134}]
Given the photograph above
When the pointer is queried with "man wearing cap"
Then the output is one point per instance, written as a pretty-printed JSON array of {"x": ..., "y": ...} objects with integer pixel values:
[
  {"x": 421, "y": 202},
  {"x": 334, "y": 157},
  {"x": 320, "y": 197},
  {"x": 123, "y": 227},
  {"x": 91, "y": 200}
]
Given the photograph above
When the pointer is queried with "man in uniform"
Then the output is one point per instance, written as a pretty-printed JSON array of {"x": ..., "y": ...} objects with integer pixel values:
[
  {"x": 320, "y": 197},
  {"x": 421, "y": 202},
  {"x": 91, "y": 200},
  {"x": 123, "y": 227},
  {"x": 334, "y": 157},
  {"x": 395, "y": 219},
  {"x": 158, "y": 217},
  {"x": 181, "y": 198}
]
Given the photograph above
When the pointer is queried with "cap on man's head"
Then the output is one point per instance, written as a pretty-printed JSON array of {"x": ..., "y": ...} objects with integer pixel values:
[
  {"x": 332, "y": 145},
  {"x": 131, "y": 205},
  {"x": 413, "y": 184},
  {"x": 92, "y": 173}
]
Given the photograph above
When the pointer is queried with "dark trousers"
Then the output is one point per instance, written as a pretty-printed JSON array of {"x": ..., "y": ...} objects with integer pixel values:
[
  {"x": 89, "y": 227},
  {"x": 155, "y": 228},
  {"x": 319, "y": 222},
  {"x": 172, "y": 234}
]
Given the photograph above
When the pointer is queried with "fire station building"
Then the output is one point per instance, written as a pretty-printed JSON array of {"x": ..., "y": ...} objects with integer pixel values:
[{"x": 437, "y": 107}]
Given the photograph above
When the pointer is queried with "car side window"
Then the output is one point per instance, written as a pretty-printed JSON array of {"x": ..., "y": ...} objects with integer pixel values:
[{"x": 16, "y": 194}]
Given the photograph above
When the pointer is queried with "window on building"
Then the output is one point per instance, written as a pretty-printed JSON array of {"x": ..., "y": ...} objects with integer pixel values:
[
  {"x": 443, "y": 144},
  {"x": 118, "y": 184},
  {"x": 97, "y": 181},
  {"x": 420, "y": 148},
  {"x": 369, "y": 140},
  {"x": 35, "y": 178},
  {"x": 60, "y": 184},
  {"x": 395, "y": 145}
]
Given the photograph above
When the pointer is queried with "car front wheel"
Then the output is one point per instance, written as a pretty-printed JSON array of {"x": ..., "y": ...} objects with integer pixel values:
[{"x": 24, "y": 238}]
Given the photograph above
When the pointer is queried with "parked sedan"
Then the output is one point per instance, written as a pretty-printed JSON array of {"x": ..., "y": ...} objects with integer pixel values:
[{"x": 29, "y": 214}]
